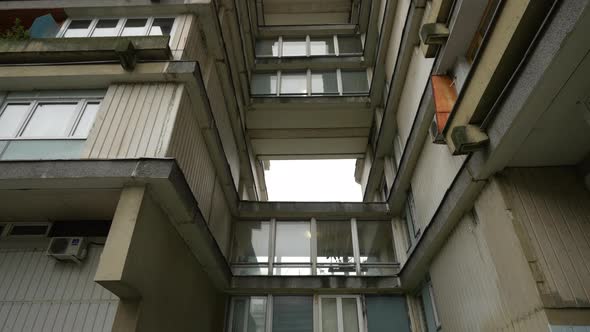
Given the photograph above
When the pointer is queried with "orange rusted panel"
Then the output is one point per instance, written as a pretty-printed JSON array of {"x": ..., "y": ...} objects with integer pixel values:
[{"x": 445, "y": 97}]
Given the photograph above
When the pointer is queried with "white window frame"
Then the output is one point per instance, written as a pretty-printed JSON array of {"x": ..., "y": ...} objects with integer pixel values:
[
  {"x": 120, "y": 25},
  {"x": 308, "y": 38},
  {"x": 339, "y": 313},
  {"x": 434, "y": 308},
  {"x": 81, "y": 104}
]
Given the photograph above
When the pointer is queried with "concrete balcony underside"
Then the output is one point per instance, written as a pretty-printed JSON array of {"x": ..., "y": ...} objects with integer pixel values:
[{"x": 309, "y": 127}]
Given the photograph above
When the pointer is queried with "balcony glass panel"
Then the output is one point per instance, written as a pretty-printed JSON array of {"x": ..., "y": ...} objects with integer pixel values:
[
  {"x": 239, "y": 270},
  {"x": 249, "y": 314},
  {"x": 106, "y": 28},
  {"x": 264, "y": 84},
  {"x": 50, "y": 120},
  {"x": 250, "y": 243},
  {"x": 78, "y": 28},
  {"x": 354, "y": 82},
  {"x": 42, "y": 149},
  {"x": 294, "y": 83},
  {"x": 322, "y": 46},
  {"x": 292, "y": 313},
  {"x": 375, "y": 242},
  {"x": 349, "y": 45},
  {"x": 334, "y": 242},
  {"x": 324, "y": 82},
  {"x": 292, "y": 270},
  {"x": 267, "y": 47},
  {"x": 294, "y": 47},
  {"x": 162, "y": 27},
  {"x": 11, "y": 117},
  {"x": 87, "y": 119},
  {"x": 135, "y": 27},
  {"x": 293, "y": 242}
]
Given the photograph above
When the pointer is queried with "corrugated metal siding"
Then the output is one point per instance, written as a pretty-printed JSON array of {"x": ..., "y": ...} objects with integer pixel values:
[
  {"x": 551, "y": 208},
  {"x": 134, "y": 121},
  {"x": 37, "y": 293},
  {"x": 188, "y": 147},
  {"x": 481, "y": 277}
]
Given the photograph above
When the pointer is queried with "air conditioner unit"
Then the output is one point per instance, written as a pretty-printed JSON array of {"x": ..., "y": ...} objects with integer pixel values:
[{"x": 68, "y": 248}]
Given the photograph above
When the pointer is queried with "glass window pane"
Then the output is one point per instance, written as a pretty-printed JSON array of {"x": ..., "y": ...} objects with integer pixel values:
[
  {"x": 387, "y": 313},
  {"x": 239, "y": 270},
  {"x": 78, "y": 28},
  {"x": 105, "y": 28},
  {"x": 375, "y": 242},
  {"x": 294, "y": 47},
  {"x": 11, "y": 117},
  {"x": 86, "y": 120},
  {"x": 257, "y": 315},
  {"x": 354, "y": 81},
  {"x": 251, "y": 242},
  {"x": 294, "y": 83},
  {"x": 322, "y": 46},
  {"x": 324, "y": 82},
  {"x": 239, "y": 314},
  {"x": 291, "y": 270},
  {"x": 329, "y": 315},
  {"x": 50, "y": 120},
  {"x": 43, "y": 149},
  {"x": 292, "y": 313},
  {"x": 267, "y": 47},
  {"x": 162, "y": 27},
  {"x": 264, "y": 84},
  {"x": 334, "y": 242},
  {"x": 349, "y": 45},
  {"x": 350, "y": 315},
  {"x": 293, "y": 242},
  {"x": 368, "y": 270},
  {"x": 134, "y": 27}
]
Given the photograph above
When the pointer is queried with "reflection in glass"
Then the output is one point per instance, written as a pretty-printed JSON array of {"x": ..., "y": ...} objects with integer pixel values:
[
  {"x": 293, "y": 242},
  {"x": 294, "y": 47},
  {"x": 250, "y": 244},
  {"x": 329, "y": 315},
  {"x": 78, "y": 28},
  {"x": 249, "y": 314},
  {"x": 11, "y": 118},
  {"x": 350, "y": 315},
  {"x": 162, "y": 27},
  {"x": 349, "y": 45},
  {"x": 105, "y": 28},
  {"x": 324, "y": 82},
  {"x": 264, "y": 84},
  {"x": 134, "y": 27},
  {"x": 375, "y": 242},
  {"x": 322, "y": 46},
  {"x": 355, "y": 81},
  {"x": 267, "y": 47},
  {"x": 238, "y": 314},
  {"x": 292, "y": 313},
  {"x": 255, "y": 270},
  {"x": 291, "y": 270},
  {"x": 86, "y": 120},
  {"x": 334, "y": 242},
  {"x": 50, "y": 120},
  {"x": 294, "y": 83}
]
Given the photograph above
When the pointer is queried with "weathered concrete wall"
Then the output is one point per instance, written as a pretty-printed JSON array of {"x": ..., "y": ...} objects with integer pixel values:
[
  {"x": 481, "y": 277},
  {"x": 148, "y": 265}
]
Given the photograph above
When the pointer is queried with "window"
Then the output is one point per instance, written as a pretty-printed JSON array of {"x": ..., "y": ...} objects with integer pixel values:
[
  {"x": 292, "y": 248},
  {"x": 349, "y": 45},
  {"x": 410, "y": 217},
  {"x": 428, "y": 307},
  {"x": 335, "y": 254},
  {"x": 113, "y": 27},
  {"x": 355, "y": 82},
  {"x": 294, "y": 47},
  {"x": 292, "y": 313},
  {"x": 248, "y": 314},
  {"x": 294, "y": 83},
  {"x": 322, "y": 46},
  {"x": 251, "y": 247},
  {"x": 45, "y": 124},
  {"x": 29, "y": 229},
  {"x": 387, "y": 313},
  {"x": 309, "y": 46},
  {"x": 340, "y": 314},
  {"x": 311, "y": 83}
]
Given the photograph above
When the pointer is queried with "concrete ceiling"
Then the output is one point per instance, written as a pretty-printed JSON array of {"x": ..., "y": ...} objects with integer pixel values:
[
  {"x": 306, "y": 12},
  {"x": 562, "y": 135}
]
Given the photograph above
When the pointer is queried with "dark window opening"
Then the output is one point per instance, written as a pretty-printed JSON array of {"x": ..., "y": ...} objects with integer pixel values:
[
  {"x": 19, "y": 230},
  {"x": 98, "y": 228}
]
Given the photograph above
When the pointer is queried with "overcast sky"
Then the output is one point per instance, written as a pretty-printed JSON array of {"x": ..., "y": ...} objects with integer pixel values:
[{"x": 312, "y": 180}]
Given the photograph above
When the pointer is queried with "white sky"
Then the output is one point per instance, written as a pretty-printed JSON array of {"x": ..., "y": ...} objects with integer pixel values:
[{"x": 312, "y": 180}]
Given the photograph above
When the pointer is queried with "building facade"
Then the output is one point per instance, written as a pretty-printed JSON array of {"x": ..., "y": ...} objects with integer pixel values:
[{"x": 134, "y": 136}]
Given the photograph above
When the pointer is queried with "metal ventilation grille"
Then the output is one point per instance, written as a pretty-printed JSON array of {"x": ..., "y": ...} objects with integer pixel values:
[{"x": 59, "y": 246}]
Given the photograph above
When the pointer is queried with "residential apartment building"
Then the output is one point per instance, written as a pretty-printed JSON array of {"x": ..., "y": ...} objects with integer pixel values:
[{"x": 134, "y": 137}]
